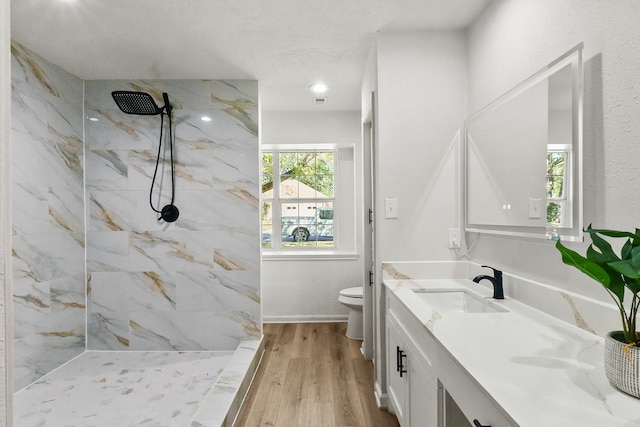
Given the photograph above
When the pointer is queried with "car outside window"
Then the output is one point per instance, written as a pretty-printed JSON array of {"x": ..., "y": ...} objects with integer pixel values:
[{"x": 298, "y": 194}]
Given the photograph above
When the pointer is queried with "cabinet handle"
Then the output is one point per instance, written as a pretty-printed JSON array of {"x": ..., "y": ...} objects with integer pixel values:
[
  {"x": 476, "y": 423},
  {"x": 401, "y": 367},
  {"x": 398, "y": 361}
]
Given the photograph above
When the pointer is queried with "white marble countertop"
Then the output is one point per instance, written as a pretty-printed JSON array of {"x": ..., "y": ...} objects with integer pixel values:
[{"x": 538, "y": 369}]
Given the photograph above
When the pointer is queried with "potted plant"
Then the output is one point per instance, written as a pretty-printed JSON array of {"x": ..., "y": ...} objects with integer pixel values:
[{"x": 620, "y": 275}]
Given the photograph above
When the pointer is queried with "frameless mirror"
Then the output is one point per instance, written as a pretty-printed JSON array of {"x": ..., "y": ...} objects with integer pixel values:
[{"x": 523, "y": 157}]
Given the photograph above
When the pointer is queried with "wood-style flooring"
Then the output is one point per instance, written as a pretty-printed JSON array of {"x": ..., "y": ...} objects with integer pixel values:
[{"x": 312, "y": 375}]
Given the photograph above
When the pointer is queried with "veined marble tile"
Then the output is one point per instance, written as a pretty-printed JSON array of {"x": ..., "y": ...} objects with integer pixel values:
[
  {"x": 234, "y": 249},
  {"x": 222, "y": 403},
  {"x": 197, "y": 290},
  {"x": 237, "y": 98},
  {"x": 240, "y": 289},
  {"x": 30, "y": 73},
  {"x": 234, "y": 327},
  {"x": 40, "y": 209},
  {"x": 107, "y": 251},
  {"x": 217, "y": 191},
  {"x": 185, "y": 331},
  {"x": 108, "y": 170},
  {"x": 117, "y": 131},
  {"x": 56, "y": 157},
  {"x": 425, "y": 270},
  {"x": 192, "y": 168},
  {"x": 44, "y": 257},
  {"x": 123, "y": 291},
  {"x": 38, "y": 354},
  {"x": 235, "y": 210},
  {"x": 48, "y": 222},
  {"x": 198, "y": 210},
  {"x": 170, "y": 250},
  {"x": 229, "y": 132},
  {"x": 32, "y": 304},
  {"x": 235, "y": 170},
  {"x": 66, "y": 212},
  {"x": 127, "y": 211},
  {"x": 108, "y": 330},
  {"x": 68, "y": 305},
  {"x": 215, "y": 290},
  {"x": 155, "y": 389},
  {"x": 183, "y": 94},
  {"x": 30, "y": 207}
]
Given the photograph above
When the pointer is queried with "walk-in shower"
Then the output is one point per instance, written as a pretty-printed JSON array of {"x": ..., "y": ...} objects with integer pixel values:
[
  {"x": 119, "y": 320},
  {"x": 143, "y": 104}
]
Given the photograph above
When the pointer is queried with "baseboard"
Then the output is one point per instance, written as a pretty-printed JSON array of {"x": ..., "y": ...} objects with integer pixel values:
[
  {"x": 382, "y": 400},
  {"x": 305, "y": 319}
]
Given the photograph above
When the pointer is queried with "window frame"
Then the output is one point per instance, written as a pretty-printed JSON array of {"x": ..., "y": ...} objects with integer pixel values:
[
  {"x": 565, "y": 200},
  {"x": 277, "y": 201}
]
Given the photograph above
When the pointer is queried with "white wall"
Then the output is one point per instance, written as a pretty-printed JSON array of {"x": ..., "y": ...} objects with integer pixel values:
[
  {"x": 515, "y": 38},
  {"x": 307, "y": 289},
  {"x": 421, "y": 104},
  {"x": 6, "y": 294},
  {"x": 419, "y": 79}
]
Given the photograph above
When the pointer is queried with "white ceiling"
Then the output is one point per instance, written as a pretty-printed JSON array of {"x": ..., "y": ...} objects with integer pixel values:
[{"x": 284, "y": 44}]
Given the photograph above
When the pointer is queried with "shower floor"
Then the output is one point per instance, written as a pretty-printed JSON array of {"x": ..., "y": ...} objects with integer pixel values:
[{"x": 104, "y": 388}]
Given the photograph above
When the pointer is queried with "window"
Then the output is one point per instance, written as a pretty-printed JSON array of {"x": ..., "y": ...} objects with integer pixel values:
[
  {"x": 558, "y": 168},
  {"x": 298, "y": 199}
]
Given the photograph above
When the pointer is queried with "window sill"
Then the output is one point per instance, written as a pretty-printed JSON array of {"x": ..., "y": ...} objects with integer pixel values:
[{"x": 269, "y": 255}]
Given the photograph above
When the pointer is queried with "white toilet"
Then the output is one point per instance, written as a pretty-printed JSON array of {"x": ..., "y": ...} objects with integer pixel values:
[{"x": 352, "y": 298}]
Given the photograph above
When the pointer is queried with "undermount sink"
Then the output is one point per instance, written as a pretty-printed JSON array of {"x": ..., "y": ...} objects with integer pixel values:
[{"x": 457, "y": 300}]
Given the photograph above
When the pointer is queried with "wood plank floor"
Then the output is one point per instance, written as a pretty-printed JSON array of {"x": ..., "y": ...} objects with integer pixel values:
[{"x": 312, "y": 375}]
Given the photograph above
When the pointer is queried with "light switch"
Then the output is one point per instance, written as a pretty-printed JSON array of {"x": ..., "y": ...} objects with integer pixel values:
[
  {"x": 391, "y": 208},
  {"x": 535, "y": 208}
]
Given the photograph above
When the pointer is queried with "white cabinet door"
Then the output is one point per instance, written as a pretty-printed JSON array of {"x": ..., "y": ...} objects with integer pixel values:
[
  {"x": 422, "y": 393},
  {"x": 396, "y": 384}
]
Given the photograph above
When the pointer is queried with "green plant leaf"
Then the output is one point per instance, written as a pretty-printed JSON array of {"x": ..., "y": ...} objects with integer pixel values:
[
  {"x": 626, "y": 268},
  {"x": 635, "y": 258},
  {"x": 625, "y": 252},
  {"x": 588, "y": 267},
  {"x": 633, "y": 285},
  {"x": 607, "y": 253},
  {"x": 611, "y": 233}
]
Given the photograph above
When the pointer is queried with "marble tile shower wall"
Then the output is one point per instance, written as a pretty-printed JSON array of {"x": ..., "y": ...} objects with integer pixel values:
[
  {"x": 47, "y": 210},
  {"x": 192, "y": 284}
]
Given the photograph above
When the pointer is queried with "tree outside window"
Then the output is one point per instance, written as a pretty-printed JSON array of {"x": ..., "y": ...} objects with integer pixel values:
[
  {"x": 298, "y": 193},
  {"x": 556, "y": 180}
]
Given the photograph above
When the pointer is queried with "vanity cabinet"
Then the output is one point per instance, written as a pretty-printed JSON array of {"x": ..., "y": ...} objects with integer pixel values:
[
  {"x": 426, "y": 387},
  {"x": 462, "y": 397},
  {"x": 412, "y": 390}
]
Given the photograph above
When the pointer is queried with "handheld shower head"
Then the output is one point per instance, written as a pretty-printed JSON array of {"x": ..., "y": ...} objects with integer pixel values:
[{"x": 140, "y": 103}]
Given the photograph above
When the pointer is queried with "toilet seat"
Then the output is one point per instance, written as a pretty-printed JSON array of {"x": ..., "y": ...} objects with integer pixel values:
[{"x": 352, "y": 292}]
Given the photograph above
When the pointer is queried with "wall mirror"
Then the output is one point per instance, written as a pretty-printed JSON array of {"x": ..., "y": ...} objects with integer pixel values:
[{"x": 523, "y": 157}]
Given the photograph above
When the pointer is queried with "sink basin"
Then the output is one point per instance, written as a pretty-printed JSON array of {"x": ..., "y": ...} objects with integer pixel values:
[{"x": 457, "y": 300}]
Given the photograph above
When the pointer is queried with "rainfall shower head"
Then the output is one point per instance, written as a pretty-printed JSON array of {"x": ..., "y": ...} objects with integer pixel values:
[{"x": 140, "y": 103}]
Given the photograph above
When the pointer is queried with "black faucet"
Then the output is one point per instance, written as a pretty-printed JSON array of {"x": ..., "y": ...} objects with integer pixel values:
[{"x": 498, "y": 293}]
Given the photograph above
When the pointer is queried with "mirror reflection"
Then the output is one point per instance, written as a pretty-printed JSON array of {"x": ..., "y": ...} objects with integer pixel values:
[{"x": 523, "y": 157}]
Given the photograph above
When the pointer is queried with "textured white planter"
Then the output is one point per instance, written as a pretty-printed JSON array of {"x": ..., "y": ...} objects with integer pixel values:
[{"x": 622, "y": 364}]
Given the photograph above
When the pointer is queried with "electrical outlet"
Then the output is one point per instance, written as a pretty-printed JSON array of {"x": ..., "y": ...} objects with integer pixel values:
[{"x": 454, "y": 238}]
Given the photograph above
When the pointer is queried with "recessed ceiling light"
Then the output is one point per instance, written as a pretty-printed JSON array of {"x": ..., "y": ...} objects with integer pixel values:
[
  {"x": 319, "y": 88},
  {"x": 205, "y": 118}
]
